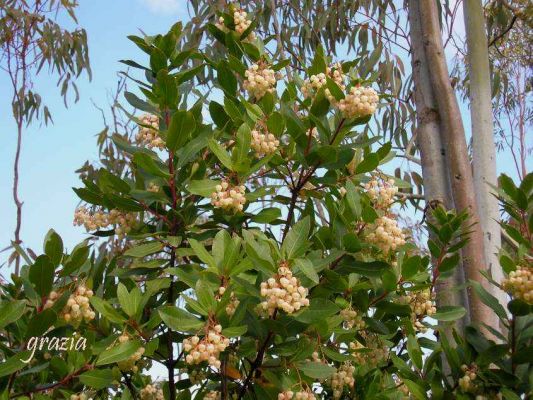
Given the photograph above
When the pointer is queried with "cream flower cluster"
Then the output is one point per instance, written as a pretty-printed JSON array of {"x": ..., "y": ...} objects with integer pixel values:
[
  {"x": 259, "y": 81},
  {"x": 283, "y": 291},
  {"x": 130, "y": 364},
  {"x": 90, "y": 220},
  {"x": 352, "y": 319},
  {"x": 302, "y": 395},
  {"x": 81, "y": 396},
  {"x": 152, "y": 392},
  {"x": 315, "y": 82},
  {"x": 148, "y": 134},
  {"x": 213, "y": 395},
  {"x": 263, "y": 143},
  {"x": 377, "y": 354},
  {"x": 123, "y": 221},
  {"x": 466, "y": 382},
  {"x": 342, "y": 377},
  {"x": 229, "y": 198},
  {"x": 519, "y": 284},
  {"x": 241, "y": 22},
  {"x": 152, "y": 187},
  {"x": 381, "y": 192},
  {"x": 360, "y": 101},
  {"x": 206, "y": 349},
  {"x": 77, "y": 308},
  {"x": 422, "y": 304},
  {"x": 385, "y": 234}
]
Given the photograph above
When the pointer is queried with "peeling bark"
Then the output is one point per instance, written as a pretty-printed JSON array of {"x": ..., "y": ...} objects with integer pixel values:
[
  {"x": 459, "y": 168},
  {"x": 433, "y": 158}
]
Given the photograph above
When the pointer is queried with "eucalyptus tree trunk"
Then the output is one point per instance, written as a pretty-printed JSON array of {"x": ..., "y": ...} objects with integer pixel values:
[
  {"x": 483, "y": 147},
  {"x": 433, "y": 158},
  {"x": 458, "y": 162}
]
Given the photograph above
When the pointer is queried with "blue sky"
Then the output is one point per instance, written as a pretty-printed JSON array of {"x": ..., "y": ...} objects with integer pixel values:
[{"x": 52, "y": 154}]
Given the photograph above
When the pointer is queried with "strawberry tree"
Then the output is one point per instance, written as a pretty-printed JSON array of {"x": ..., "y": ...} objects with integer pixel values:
[{"x": 257, "y": 250}]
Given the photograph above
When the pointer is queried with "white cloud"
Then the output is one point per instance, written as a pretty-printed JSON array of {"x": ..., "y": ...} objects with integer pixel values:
[{"x": 164, "y": 6}]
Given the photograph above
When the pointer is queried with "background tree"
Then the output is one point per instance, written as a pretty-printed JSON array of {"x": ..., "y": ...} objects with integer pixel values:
[{"x": 30, "y": 40}]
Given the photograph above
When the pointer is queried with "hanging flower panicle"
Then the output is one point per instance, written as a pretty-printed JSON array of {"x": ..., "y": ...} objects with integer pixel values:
[
  {"x": 519, "y": 284},
  {"x": 352, "y": 319},
  {"x": 341, "y": 378},
  {"x": 381, "y": 192},
  {"x": 283, "y": 291},
  {"x": 422, "y": 304},
  {"x": 207, "y": 348},
  {"x": 359, "y": 102},
  {"x": 241, "y": 22},
  {"x": 152, "y": 392},
  {"x": 263, "y": 142},
  {"x": 148, "y": 134},
  {"x": 229, "y": 198},
  {"x": 260, "y": 80},
  {"x": 96, "y": 220},
  {"x": 385, "y": 234}
]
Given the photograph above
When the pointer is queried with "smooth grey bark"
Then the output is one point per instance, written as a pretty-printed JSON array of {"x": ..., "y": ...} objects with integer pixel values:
[
  {"x": 483, "y": 147},
  {"x": 437, "y": 186},
  {"x": 458, "y": 162}
]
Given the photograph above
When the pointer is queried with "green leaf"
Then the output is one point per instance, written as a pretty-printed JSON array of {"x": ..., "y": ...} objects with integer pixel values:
[
  {"x": 370, "y": 163},
  {"x": 129, "y": 301},
  {"x": 202, "y": 253},
  {"x": 226, "y": 79},
  {"x": 519, "y": 307},
  {"x": 414, "y": 351},
  {"x": 319, "y": 63},
  {"x": 297, "y": 239},
  {"x": 53, "y": 247},
  {"x": 416, "y": 390},
  {"x": 218, "y": 114},
  {"x": 75, "y": 260},
  {"x": 40, "y": 323},
  {"x": 449, "y": 313},
  {"x": 138, "y": 103},
  {"x": 410, "y": 266},
  {"x": 205, "y": 296},
  {"x": 235, "y": 331},
  {"x": 147, "y": 163},
  {"x": 42, "y": 275},
  {"x": 319, "y": 309},
  {"x": 221, "y": 153},
  {"x": 202, "y": 187},
  {"x": 166, "y": 89},
  {"x": 14, "y": 363},
  {"x": 107, "y": 310},
  {"x": 489, "y": 300},
  {"x": 118, "y": 353},
  {"x": 182, "y": 125},
  {"x": 306, "y": 266},
  {"x": 97, "y": 378},
  {"x": 266, "y": 215},
  {"x": 242, "y": 147},
  {"x": 353, "y": 198},
  {"x": 316, "y": 370},
  {"x": 180, "y": 320},
  {"x": 10, "y": 311},
  {"x": 144, "y": 249}
]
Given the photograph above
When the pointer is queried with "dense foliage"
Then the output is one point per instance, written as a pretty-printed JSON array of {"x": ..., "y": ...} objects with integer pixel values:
[{"x": 257, "y": 252}]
